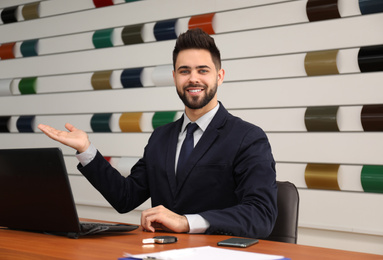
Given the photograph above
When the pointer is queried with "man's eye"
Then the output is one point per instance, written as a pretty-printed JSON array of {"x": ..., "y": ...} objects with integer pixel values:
[
  {"x": 203, "y": 71},
  {"x": 184, "y": 71}
]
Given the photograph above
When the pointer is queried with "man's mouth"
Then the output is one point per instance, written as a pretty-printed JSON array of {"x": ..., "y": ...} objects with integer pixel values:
[{"x": 194, "y": 90}]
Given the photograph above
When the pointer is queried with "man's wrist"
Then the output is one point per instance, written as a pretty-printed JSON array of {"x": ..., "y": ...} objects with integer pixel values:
[
  {"x": 84, "y": 147},
  {"x": 87, "y": 156}
]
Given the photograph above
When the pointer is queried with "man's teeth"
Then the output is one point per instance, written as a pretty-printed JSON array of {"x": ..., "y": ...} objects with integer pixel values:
[{"x": 194, "y": 90}]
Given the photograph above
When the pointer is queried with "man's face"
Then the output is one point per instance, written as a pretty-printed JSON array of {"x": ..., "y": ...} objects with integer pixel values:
[{"x": 197, "y": 79}]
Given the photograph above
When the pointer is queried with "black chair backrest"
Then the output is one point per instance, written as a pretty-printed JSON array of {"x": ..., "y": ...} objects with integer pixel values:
[{"x": 286, "y": 225}]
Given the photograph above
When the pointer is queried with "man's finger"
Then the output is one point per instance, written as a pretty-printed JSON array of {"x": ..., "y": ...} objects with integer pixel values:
[{"x": 148, "y": 225}]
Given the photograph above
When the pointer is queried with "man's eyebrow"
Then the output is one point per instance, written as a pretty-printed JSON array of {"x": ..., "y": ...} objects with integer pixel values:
[
  {"x": 183, "y": 67},
  {"x": 198, "y": 67}
]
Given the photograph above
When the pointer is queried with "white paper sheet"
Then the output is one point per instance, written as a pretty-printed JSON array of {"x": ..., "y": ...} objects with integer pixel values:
[{"x": 208, "y": 253}]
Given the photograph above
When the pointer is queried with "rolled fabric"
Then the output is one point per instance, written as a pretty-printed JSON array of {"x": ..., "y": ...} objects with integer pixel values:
[
  {"x": 322, "y": 176},
  {"x": 102, "y": 3},
  {"x": 103, "y": 38},
  {"x": 370, "y": 6},
  {"x": 370, "y": 58},
  {"x": 204, "y": 22},
  {"x": 162, "y": 118},
  {"x": 6, "y": 51},
  {"x": 29, "y": 48},
  {"x": 319, "y": 10},
  {"x": 165, "y": 30},
  {"x": 101, "y": 80},
  {"x": 131, "y": 78},
  {"x": 4, "y": 124},
  {"x": 130, "y": 122},
  {"x": 162, "y": 76},
  {"x": 100, "y": 122},
  {"x": 372, "y": 117},
  {"x": 28, "y": 86},
  {"x": 9, "y": 15},
  {"x": 321, "y": 63},
  {"x": 5, "y": 87},
  {"x": 372, "y": 178},
  {"x": 131, "y": 34},
  {"x": 31, "y": 11},
  {"x": 25, "y": 124},
  {"x": 323, "y": 119}
]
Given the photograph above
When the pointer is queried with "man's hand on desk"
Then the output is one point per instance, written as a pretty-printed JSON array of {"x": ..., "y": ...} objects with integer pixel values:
[{"x": 160, "y": 218}]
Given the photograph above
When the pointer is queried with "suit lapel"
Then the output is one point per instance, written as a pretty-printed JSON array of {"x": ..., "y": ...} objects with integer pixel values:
[
  {"x": 171, "y": 155},
  {"x": 208, "y": 138}
]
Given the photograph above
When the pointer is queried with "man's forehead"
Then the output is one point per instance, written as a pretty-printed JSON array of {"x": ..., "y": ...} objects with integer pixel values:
[{"x": 194, "y": 58}]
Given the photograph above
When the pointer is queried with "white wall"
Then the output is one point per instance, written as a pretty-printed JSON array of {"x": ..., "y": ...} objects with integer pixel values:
[{"x": 264, "y": 46}]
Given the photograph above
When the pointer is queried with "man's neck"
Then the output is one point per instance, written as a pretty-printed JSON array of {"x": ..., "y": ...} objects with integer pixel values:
[{"x": 194, "y": 114}]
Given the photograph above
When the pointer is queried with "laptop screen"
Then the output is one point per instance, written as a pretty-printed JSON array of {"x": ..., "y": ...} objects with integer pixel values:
[{"x": 35, "y": 193}]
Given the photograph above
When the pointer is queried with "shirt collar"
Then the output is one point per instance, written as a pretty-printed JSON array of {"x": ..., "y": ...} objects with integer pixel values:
[{"x": 203, "y": 122}]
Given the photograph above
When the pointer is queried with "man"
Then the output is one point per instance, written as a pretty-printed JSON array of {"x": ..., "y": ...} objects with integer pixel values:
[{"x": 226, "y": 186}]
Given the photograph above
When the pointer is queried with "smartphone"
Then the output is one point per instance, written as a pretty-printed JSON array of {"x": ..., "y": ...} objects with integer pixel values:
[{"x": 238, "y": 242}]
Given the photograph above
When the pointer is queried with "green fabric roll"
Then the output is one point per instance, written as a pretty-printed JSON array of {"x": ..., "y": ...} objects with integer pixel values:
[
  {"x": 162, "y": 118},
  {"x": 28, "y": 86},
  {"x": 28, "y": 48},
  {"x": 103, "y": 38},
  {"x": 372, "y": 178},
  {"x": 100, "y": 122}
]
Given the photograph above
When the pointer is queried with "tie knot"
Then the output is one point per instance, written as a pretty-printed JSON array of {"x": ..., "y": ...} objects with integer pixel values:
[{"x": 190, "y": 128}]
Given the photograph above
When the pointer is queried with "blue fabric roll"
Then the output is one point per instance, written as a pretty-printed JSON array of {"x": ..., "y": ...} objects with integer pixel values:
[
  {"x": 370, "y": 6},
  {"x": 165, "y": 30},
  {"x": 25, "y": 124},
  {"x": 131, "y": 78}
]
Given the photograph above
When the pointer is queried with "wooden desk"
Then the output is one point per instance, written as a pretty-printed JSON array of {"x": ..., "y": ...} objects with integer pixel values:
[{"x": 17, "y": 245}]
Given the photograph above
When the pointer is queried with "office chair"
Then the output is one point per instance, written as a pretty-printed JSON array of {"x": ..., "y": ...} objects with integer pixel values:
[{"x": 286, "y": 225}]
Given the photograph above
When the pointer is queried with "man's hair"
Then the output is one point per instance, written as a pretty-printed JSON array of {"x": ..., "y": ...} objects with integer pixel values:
[{"x": 197, "y": 39}]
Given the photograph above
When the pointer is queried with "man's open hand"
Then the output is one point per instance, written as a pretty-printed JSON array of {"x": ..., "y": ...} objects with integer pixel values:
[{"x": 75, "y": 138}]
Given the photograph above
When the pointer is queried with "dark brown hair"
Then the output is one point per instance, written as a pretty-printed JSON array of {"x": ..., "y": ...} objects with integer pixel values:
[{"x": 197, "y": 39}]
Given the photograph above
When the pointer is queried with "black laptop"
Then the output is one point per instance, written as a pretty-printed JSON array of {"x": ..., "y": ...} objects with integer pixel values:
[{"x": 35, "y": 195}]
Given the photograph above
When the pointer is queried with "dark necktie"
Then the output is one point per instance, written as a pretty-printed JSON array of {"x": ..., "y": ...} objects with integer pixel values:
[{"x": 186, "y": 148}]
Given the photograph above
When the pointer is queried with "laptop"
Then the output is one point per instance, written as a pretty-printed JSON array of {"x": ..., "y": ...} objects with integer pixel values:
[{"x": 35, "y": 195}]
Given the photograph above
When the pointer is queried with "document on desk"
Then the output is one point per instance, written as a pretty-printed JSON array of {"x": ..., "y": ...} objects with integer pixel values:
[{"x": 206, "y": 253}]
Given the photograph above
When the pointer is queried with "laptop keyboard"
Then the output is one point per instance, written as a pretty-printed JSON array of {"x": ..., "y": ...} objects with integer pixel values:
[{"x": 95, "y": 227}]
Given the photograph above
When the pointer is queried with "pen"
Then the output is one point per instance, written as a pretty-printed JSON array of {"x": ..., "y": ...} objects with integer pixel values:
[
  {"x": 135, "y": 258},
  {"x": 160, "y": 240}
]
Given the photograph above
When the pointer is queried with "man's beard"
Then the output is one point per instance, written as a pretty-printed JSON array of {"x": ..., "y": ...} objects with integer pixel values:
[{"x": 196, "y": 102}]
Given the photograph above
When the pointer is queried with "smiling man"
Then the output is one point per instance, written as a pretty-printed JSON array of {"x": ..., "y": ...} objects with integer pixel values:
[{"x": 225, "y": 185}]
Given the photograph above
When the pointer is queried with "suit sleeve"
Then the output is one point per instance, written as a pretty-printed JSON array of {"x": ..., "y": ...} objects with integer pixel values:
[
  {"x": 254, "y": 173},
  {"x": 123, "y": 193}
]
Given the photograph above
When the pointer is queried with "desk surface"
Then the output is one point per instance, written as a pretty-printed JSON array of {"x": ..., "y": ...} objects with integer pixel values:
[{"x": 31, "y": 246}]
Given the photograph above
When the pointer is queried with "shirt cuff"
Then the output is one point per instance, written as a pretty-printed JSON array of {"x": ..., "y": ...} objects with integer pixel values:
[
  {"x": 197, "y": 224},
  {"x": 87, "y": 156}
]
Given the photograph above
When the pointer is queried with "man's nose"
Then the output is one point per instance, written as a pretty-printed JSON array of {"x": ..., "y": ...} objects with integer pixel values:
[{"x": 194, "y": 77}]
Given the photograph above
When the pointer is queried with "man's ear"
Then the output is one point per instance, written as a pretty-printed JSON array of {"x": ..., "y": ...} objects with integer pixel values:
[
  {"x": 174, "y": 77},
  {"x": 221, "y": 76}
]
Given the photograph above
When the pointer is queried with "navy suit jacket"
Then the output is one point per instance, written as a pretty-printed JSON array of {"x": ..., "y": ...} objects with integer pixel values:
[{"x": 230, "y": 177}]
